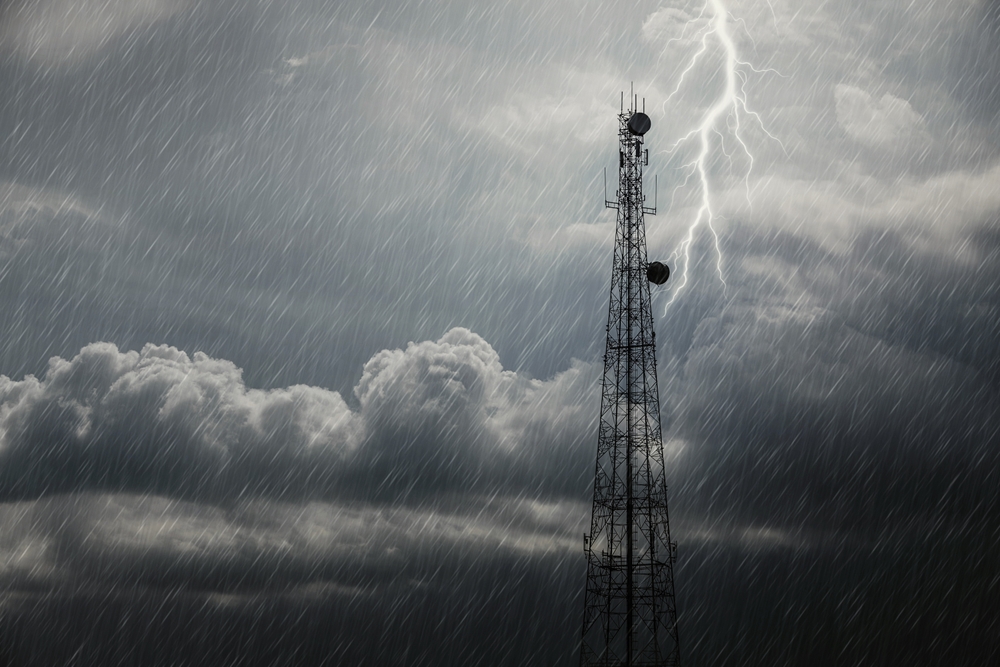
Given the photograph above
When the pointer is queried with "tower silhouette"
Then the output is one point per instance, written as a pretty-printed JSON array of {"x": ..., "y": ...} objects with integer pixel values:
[{"x": 630, "y": 614}]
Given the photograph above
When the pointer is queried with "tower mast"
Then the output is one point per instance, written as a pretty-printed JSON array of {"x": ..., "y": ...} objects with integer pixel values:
[{"x": 630, "y": 615}]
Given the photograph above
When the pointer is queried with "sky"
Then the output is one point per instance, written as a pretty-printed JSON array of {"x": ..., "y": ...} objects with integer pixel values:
[{"x": 302, "y": 309}]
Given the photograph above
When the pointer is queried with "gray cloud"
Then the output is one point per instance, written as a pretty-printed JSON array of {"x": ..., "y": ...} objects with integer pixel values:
[
  {"x": 295, "y": 186},
  {"x": 311, "y": 211},
  {"x": 888, "y": 121},
  {"x": 342, "y": 568},
  {"x": 437, "y": 415},
  {"x": 76, "y": 542},
  {"x": 61, "y": 32},
  {"x": 856, "y": 391}
]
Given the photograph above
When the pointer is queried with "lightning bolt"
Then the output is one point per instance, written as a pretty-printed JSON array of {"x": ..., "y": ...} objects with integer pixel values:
[{"x": 730, "y": 106}]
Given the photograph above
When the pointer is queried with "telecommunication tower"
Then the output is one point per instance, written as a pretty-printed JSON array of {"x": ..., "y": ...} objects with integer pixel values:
[{"x": 630, "y": 615}]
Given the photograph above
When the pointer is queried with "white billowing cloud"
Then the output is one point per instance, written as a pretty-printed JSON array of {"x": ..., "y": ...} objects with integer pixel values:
[
  {"x": 55, "y": 32},
  {"x": 876, "y": 122},
  {"x": 162, "y": 419},
  {"x": 445, "y": 412},
  {"x": 159, "y": 420},
  {"x": 451, "y": 381}
]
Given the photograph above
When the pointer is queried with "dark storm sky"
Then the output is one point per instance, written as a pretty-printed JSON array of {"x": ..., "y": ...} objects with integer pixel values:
[{"x": 301, "y": 305}]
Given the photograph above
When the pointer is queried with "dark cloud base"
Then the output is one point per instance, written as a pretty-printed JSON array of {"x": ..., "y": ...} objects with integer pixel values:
[
  {"x": 926, "y": 603},
  {"x": 499, "y": 611},
  {"x": 930, "y": 603}
]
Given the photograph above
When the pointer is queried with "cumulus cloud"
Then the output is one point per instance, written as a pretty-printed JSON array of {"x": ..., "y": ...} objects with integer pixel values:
[
  {"x": 55, "y": 32},
  {"x": 440, "y": 414},
  {"x": 877, "y": 123}
]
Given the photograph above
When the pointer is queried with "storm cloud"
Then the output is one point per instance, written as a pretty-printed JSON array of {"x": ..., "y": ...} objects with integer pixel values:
[
  {"x": 438, "y": 415},
  {"x": 222, "y": 222}
]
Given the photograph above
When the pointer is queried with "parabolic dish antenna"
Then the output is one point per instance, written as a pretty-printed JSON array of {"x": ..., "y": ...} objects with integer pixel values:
[
  {"x": 639, "y": 123},
  {"x": 657, "y": 272}
]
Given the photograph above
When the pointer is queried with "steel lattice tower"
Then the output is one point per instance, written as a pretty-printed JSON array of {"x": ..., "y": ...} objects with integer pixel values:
[{"x": 630, "y": 615}]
